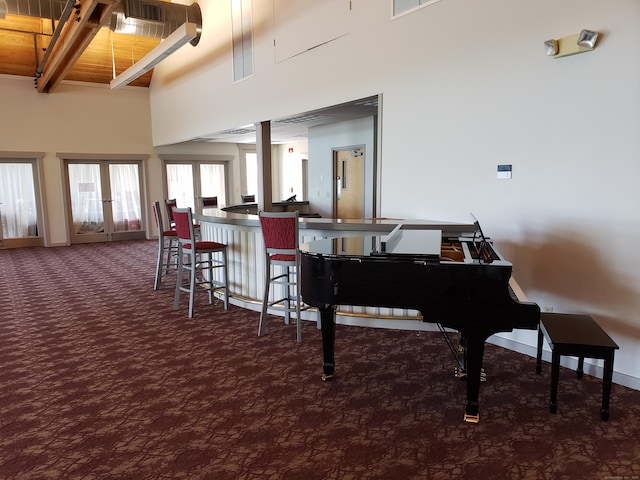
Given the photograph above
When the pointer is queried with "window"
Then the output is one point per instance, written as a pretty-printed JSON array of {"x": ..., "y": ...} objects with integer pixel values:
[
  {"x": 401, "y": 7},
  {"x": 251, "y": 173},
  {"x": 293, "y": 175},
  {"x": 189, "y": 180},
  {"x": 18, "y": 207},
  {"x": 241, "y": 31}
]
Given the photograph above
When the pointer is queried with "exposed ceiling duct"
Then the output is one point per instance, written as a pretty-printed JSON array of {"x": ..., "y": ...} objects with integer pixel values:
[{"x": 146, "y": 18}]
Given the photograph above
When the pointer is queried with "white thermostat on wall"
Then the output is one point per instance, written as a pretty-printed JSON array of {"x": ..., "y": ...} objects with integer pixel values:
[{"x": 504, "y": 172}]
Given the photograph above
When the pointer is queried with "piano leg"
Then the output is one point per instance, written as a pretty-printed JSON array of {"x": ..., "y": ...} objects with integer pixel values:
[
  {"x": 473, "y": 357},
  {"x": 328, "y": 328}
]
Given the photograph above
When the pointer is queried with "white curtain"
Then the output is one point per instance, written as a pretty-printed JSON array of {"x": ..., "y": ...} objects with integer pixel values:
[
  {"x": 251, "y": 166},
  {"x": 180, "y": 184},
  {"x": 212, "y": 182},
  {"x": 85, "y": 190},
  {"x": 125, "y": 193},
  {"x": 87, "y": 196},
  {"x": 18, "y": 200}
]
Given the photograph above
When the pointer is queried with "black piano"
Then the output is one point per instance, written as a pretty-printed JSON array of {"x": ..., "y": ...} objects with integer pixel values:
[{"x": 455, "y": 279}]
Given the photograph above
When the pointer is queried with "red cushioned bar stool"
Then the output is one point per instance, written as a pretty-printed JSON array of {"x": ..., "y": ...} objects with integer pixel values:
[
  {"x": 167, "y": 247},
  {"x": 205, "y": 261}
]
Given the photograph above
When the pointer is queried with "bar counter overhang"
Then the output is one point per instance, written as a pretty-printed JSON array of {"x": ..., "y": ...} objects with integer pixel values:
[{"x": 246, "y": 258}]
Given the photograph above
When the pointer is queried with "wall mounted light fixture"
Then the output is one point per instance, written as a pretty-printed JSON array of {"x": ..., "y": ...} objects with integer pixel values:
[{"x": 585, "y": 41}]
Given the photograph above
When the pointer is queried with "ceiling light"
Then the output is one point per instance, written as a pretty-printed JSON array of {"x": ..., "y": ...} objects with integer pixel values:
[{"x": 182, "y": 35}]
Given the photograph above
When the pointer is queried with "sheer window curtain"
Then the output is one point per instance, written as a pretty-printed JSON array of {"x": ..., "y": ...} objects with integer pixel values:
[
  {"x": 18, "y": 200},
  {"x": 212, "y": 182},
  {"x": 86, "y": 191},
  {"x": 125, "y": 192},
  {"x": 180, "y": 184},
  {"x": 86, "y": 198}
]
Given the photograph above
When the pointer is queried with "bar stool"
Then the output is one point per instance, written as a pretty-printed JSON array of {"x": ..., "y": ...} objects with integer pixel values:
[
  {"x": 167, "y": 247},
  {"x": 208, "y": 202},
  {"x": 200, "y": 260},
  {"x": 280, "y": 233},
  {"x": 170, "y": 204}
]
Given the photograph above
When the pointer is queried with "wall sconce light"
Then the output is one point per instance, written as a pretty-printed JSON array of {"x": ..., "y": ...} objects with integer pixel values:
[
  {"x": 551, "y": 47},
  {"x": 587, "y": 38},
  {"x": 585, "y": 41}
]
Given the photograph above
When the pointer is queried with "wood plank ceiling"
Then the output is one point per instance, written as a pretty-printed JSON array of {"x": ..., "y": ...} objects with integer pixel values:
[{"x": 85, "y": 52}]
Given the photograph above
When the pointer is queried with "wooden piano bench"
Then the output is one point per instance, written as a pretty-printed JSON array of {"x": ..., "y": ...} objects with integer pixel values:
[{"x": 576, "y": 336}]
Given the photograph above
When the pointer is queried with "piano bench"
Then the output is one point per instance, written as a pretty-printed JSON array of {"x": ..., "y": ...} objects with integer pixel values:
[{"x": 576, "y": 336}]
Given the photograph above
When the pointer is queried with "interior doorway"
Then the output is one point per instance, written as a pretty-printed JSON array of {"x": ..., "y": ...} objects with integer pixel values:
[
  {"x": 104, "y": 200},
  {"x": 348, "y": 173}
]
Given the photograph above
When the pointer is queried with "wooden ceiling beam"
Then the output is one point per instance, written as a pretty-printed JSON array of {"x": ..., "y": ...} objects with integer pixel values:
[{"x": 74, "y": 38}]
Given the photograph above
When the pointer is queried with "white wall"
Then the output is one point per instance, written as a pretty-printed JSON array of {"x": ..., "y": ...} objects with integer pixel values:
[
  {"x": 323, "y": 140},
  {"x": 466, "y": 86},
  {"x": 77, "y": 119}
]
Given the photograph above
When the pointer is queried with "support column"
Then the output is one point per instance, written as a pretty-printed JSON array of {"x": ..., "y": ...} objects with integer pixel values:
[{"x": 263, "y": 150}]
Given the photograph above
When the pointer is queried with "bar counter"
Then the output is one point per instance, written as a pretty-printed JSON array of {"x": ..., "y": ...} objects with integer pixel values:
[{"x": 246, "y": 257}]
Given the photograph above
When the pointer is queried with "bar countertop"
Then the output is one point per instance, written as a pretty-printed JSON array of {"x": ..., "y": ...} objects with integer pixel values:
[{"x": 381, "y": 225}]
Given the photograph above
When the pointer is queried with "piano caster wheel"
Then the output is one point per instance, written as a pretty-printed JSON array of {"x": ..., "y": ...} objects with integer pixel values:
[{"x": 471, "y": 418}]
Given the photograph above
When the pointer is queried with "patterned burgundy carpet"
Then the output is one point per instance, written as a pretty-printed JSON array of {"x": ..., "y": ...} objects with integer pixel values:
[{"x": 101, "y": 379}]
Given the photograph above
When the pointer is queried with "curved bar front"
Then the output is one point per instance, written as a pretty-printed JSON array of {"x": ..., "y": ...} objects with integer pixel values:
[{"x": 246, "y": 257}]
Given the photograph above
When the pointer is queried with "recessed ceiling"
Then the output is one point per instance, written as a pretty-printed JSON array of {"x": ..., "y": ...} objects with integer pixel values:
[{"x": 295, "y": 128}]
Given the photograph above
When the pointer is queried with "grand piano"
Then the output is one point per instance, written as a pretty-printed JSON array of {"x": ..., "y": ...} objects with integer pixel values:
[{"x": 455, "y": 279}]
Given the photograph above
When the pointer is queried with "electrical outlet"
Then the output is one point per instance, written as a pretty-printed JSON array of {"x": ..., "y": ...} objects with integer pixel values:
[{"x": 547, "y": 309}]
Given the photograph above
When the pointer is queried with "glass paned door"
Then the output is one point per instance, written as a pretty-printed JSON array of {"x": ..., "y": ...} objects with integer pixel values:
[
  {"x": 105, "y": 201},
  {"x": 18, "y": 205},
  {"x": 212, "y": 182},
  {"x": 180, "y": 185},
  {"x": 187, "y": 182},
  {"x": 125, "y": 194}
]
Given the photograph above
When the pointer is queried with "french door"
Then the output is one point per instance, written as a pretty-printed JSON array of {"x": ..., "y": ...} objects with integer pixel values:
[
  {"x": 104, "y": 200},
  {"x": 189, "y": 181},
  {"x": 20, "y": 215}
]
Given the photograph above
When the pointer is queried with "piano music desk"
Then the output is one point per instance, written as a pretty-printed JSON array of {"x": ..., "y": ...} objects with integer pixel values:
[{"x": 576, "y": 336}]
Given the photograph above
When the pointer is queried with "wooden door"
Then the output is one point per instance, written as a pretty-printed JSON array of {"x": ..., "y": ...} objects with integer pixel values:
[{"x": 348, "y": 170}]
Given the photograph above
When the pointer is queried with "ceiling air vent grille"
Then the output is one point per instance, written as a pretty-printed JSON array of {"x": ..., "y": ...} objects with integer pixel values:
[{"x": 151, "y": 12}]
